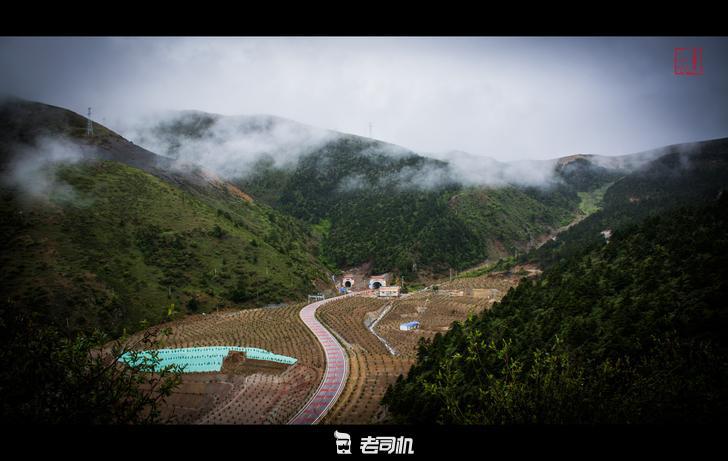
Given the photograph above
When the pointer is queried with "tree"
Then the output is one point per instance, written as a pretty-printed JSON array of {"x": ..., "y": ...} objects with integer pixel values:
[
  {"x": 243, "y": 290},
  {"x": 48, "y": 378},
  {"x": 627, "y": 332},
  {"x": 217, "y": 232},
  {"x": 193, "y": 305}
]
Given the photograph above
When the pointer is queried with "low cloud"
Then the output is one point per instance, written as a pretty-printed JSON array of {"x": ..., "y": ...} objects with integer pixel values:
[
  {"x": 233, "y": 146},
  {"x": 230, "y": 146},
  {"x": 475, "y": 170},
  {"x": 227, "y": 146},
  {"x": 353, "y": 183},
  {"x": 431, "y": 175},
  {"x": 636, "y": 161},
  {"x": 459, "y": 168},
  {"x": 32, "y": 169}
]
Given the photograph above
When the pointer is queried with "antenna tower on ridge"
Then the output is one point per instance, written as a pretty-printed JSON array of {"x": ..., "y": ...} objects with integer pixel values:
[{"x": 89, "y": 124}]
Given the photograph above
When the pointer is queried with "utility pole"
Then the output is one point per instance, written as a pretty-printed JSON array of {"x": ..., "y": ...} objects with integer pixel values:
[
  {"x": 370, "y": 129},
  {"x": 89, "y": 125}
]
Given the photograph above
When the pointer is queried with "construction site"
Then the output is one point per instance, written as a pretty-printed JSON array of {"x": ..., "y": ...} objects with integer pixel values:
[{"x": 326, "y": 361}]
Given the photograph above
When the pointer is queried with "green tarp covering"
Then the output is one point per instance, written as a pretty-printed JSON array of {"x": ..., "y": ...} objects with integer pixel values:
[{"x": 203, "y": 359}]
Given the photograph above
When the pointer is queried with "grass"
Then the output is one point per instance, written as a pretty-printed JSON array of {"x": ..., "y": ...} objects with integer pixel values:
[
  {"x": 124, "y": 245},
  {"x": 591, "y": 202},
  {"x": 500, "y": 265}
]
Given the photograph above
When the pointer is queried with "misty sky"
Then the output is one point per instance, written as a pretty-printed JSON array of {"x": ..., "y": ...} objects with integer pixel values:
[{"x": 507, "y": 98}]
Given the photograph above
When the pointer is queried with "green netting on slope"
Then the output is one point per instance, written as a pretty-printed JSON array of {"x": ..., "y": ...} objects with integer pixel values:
[{"x": 202, "y": 359}]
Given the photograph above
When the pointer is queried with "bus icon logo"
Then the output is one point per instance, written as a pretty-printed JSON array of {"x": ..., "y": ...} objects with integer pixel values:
[{"x": 343, "y": 443}]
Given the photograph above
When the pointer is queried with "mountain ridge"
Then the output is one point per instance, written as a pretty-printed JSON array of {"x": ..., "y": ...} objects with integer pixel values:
[
  {"x": 112, "y": 240},
  {"x": 337, "y": 179}
]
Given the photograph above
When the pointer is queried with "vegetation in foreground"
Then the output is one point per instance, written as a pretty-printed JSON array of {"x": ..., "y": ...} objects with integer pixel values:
[{"x": 47, "y": 378}]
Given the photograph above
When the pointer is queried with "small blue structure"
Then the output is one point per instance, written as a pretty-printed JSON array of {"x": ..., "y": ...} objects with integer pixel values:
[{"x": 409, "y": 326}]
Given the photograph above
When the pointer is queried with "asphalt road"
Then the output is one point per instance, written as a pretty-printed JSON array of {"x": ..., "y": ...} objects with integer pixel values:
[{"x": 335, "y": 375}]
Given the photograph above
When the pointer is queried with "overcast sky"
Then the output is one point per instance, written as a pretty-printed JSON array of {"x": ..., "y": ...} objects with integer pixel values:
[{"x": 508, "y": 98}]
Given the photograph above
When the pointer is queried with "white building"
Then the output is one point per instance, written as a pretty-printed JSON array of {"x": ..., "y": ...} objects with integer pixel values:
[{"x": 388, "y": 292}]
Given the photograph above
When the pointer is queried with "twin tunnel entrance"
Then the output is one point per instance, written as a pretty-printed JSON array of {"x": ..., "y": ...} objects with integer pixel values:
[
  {"x": 375, "y": 285},
  {"x": 375, "y": 282}
]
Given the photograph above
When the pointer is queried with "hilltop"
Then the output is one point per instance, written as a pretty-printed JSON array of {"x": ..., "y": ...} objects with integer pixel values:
[
  {"x": 374, "y": 202},
  {"x": 101, "y": 233},
  {"x": 666, "y": 178}
]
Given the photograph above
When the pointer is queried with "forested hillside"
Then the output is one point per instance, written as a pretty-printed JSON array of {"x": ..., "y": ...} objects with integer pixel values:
[
  {"x": 406, "y": 212},
  {"x": 375, "y": 202},
  {"x": 682, "y": 175},
  {"x": 633, "y": 330}
]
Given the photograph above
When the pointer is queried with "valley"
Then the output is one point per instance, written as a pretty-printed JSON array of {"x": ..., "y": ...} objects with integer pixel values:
[
  {"x": 102, "y": 236},
  {"x": 277, "y": 396}
]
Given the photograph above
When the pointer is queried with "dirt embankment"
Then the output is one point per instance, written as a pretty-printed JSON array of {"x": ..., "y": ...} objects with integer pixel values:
[{"x": 237, "y": 363}]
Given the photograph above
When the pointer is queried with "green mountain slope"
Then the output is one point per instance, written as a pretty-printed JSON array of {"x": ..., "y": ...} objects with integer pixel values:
[
  {"x": 680, "y": 175},
  {"x": 631, "y": 331},
  {"x": 378, "y": 202},
  {"x": 404, "y": 209},
  {"x": 105, "y": 244}
]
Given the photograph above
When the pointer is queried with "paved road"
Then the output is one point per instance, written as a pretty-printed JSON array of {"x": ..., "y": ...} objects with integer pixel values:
[{"x": 337, "y": 369}]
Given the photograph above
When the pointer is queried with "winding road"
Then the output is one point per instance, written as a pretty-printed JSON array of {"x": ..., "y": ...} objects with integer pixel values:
[{"x": 335, "y": 375}]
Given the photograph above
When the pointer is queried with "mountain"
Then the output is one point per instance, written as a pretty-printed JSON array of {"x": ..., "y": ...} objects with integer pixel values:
[
  {"x": 626, "y": 324},
  {"x": 631, "y": 331},
  {"x": 247, "y": 210},
  {"x": 682, "y": 174},
  {"x": 98, "y": 232},
  {"x": 380, "y": 203}
]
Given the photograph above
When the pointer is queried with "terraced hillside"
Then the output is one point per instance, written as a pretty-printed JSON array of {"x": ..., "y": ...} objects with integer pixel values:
[
  {"x": 254, "y": 393},
  {"x": 436, "y": 310},
  {"x": 371, "y": 367}
]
